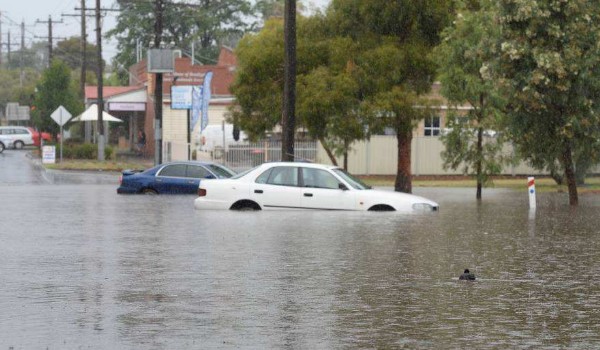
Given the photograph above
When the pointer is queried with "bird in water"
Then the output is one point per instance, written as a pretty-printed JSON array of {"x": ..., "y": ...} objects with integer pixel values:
[{"x": 467, "y": 275}]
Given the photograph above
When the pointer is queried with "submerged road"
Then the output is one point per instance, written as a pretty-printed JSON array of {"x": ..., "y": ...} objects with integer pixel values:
[{"x": 83, "y": 267}]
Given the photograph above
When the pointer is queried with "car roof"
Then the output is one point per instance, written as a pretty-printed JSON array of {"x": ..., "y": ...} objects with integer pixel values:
[{"x": 302, "y": 164}]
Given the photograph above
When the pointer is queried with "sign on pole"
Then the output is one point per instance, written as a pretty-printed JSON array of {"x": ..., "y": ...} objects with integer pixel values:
[
  {"x": 61, "y": 116},
  {"x": 181, "y": 97}
]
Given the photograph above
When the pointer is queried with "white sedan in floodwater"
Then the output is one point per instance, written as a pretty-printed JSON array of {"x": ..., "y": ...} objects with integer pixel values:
[{"x": 289, "y": 185}]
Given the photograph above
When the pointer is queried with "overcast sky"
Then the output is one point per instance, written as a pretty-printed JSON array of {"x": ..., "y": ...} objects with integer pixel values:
[{"x": 30, "y": 11}]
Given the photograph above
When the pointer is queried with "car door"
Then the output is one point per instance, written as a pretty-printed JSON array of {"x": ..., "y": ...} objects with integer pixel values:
[
  {"x": 321, "y": 190},
  {"x": 171, "y": 179},
  {"x": 277, "y": 188},
  {"x": 194, "y": 174}
]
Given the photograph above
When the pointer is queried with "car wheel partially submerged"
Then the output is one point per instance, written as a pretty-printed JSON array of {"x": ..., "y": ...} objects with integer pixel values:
[
  {"x": 149, "y": 191},
  {"x": 1, "y": 147},
  {"x": 245, "y": 206},
  {"x": 19, "y": 145}
]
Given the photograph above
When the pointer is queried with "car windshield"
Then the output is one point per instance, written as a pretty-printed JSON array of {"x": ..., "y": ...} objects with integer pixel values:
[
  {"x": 221, "y": 171},
  {"x": 353, "y": 181}
]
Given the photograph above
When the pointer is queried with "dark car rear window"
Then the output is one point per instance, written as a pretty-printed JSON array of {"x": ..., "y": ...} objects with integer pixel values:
[{"x": 175, "y": 170}]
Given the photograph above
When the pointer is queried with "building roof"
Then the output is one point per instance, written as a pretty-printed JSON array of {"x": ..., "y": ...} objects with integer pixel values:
[{"x": 91, "y": 92}]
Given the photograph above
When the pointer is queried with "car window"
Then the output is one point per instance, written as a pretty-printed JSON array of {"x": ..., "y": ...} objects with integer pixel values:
[
  {"x": 318, "y": 178},
  {"x": 174, "y": 170},
  {"x": 283, "y": 176},
  {"x": 21, "y": 131},
  {"x": 262, "y": 179},
  {"x": 197, "y": 172},
  {"x": 221, "y": 171},
  {"x": 355, "y": 182}
]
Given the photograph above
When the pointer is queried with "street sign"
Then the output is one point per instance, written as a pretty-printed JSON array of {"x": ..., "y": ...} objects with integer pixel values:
[{"x": 61, "y": 116}]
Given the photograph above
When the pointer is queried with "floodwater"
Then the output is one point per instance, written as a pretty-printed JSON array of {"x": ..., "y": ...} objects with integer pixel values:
[{"x": 83, "y": 267}]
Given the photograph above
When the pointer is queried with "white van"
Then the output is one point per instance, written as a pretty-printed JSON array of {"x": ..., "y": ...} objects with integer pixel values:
[
  {"x": 16, "y": 136},
  {"x": 214, "y": 137}
]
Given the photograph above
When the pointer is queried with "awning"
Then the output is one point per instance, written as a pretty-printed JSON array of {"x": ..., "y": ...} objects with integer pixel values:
[{"x": 91, "y": 114}]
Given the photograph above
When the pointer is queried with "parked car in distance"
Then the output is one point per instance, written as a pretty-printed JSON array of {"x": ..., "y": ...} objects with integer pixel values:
[
  {"x": 171, "y": 178},
  {"x": 289, "y": 185},
  {"x": 36, "y": 136},
  {"x": 3, "y": 142},
  {"x": 17, "y": 136}
]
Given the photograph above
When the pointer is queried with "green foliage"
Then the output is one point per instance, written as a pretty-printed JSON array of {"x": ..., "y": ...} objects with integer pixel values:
[
  {"x": 84, "y": 151},
  {"x": 550, "y": 63},
  {"x": 55, "y": 89},
  {"x": 69, "y": 52},
  {"x": 207, "y": 23},
  {"x": 465, "y": 64},
  {"x": 11, "y": 89}
]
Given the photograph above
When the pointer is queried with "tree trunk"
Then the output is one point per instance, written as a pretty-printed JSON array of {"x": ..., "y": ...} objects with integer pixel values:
[
  {"x": 478, "y": 162},
  {"x": 403, "y": 176},
  {"x": 346, "y": 154},
  {"x": 570, "y": 175},
  {"x": 328, "y": 151}
]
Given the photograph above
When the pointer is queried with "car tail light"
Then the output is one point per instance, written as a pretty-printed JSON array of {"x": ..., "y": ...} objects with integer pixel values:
[
  {"x": 201, "y": 192},
  {"x": 120, "y": 179}
]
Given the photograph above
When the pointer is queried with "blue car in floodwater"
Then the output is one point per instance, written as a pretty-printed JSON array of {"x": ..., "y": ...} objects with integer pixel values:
[{"x": 171, "y": 178}]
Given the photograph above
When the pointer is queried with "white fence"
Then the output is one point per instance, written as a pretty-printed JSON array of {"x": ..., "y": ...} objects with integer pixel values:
[
  {"x": 244, "y": 156},
  {"x": 378, "y": 156}
]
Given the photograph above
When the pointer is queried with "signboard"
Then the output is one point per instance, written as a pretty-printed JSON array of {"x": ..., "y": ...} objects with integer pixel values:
[
  {"x": 160, "y": 61},
  {"x": 48, "y": 154},
  {"x": 181, "y": 97},
  {"x": 61, "y": 116},
  {"x": 127, "y": 106}
]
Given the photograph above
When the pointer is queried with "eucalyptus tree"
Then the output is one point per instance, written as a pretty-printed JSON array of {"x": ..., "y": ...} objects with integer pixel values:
[
  {"x": 393, "y": 64},
  {"x": 329, "y": 94},
  {"x": 550, "y": 69},
  {"x": 465, "y": 63}
]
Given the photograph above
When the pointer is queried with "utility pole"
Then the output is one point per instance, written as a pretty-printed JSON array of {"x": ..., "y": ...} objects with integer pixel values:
[
  {"x": 0, "y": 38},
  {"x": 100, "y": 102},
  {"x": 49, "y": 22},
  {"x": 8, "y": 44},
  {"x": 158, "y": 85},
  {"x": 83, "y": 44},
  {"x": 21, "y": 75},
  {"x": 288, "y": 123},
  {"x": 82, "y": 50}
]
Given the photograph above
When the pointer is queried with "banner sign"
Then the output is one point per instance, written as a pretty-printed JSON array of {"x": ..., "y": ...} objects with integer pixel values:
[
  {"x": 196, "y": 105},
  {"x": 205, "y": 99}
]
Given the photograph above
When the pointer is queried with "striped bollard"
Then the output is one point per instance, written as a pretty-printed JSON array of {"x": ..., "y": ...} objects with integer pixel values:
[{"x": 531, "y": 190}]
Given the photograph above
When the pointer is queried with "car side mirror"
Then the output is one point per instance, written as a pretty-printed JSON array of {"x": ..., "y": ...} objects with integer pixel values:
[
  {"x": 342, "y": 187},
  {"x": 210, "y": 176}
]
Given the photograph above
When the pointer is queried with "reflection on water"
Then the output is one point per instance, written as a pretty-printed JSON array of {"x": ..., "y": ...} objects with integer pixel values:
[{"x": 84, "y": 267}]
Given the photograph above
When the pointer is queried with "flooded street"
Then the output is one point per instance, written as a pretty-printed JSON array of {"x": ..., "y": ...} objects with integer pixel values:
[{"x": 83, "y": 267}]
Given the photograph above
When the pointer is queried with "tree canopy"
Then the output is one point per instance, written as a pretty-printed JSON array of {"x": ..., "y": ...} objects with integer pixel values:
[
  {"x": 206, "y": 23},
  {"x": 465, "y": 60},
  {"x": 549, "y": 69},
  {"x": 55, "y": 89}
]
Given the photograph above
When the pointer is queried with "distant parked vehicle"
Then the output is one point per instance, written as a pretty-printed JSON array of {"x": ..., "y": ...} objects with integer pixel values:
[
  {"x": 3, "y": 142},
  {"x": 289, "y": 185},
  {"x": 36, "y": 136},
  {"x": 171, "y": 178},
  {"x": 17, "y": 136}
]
